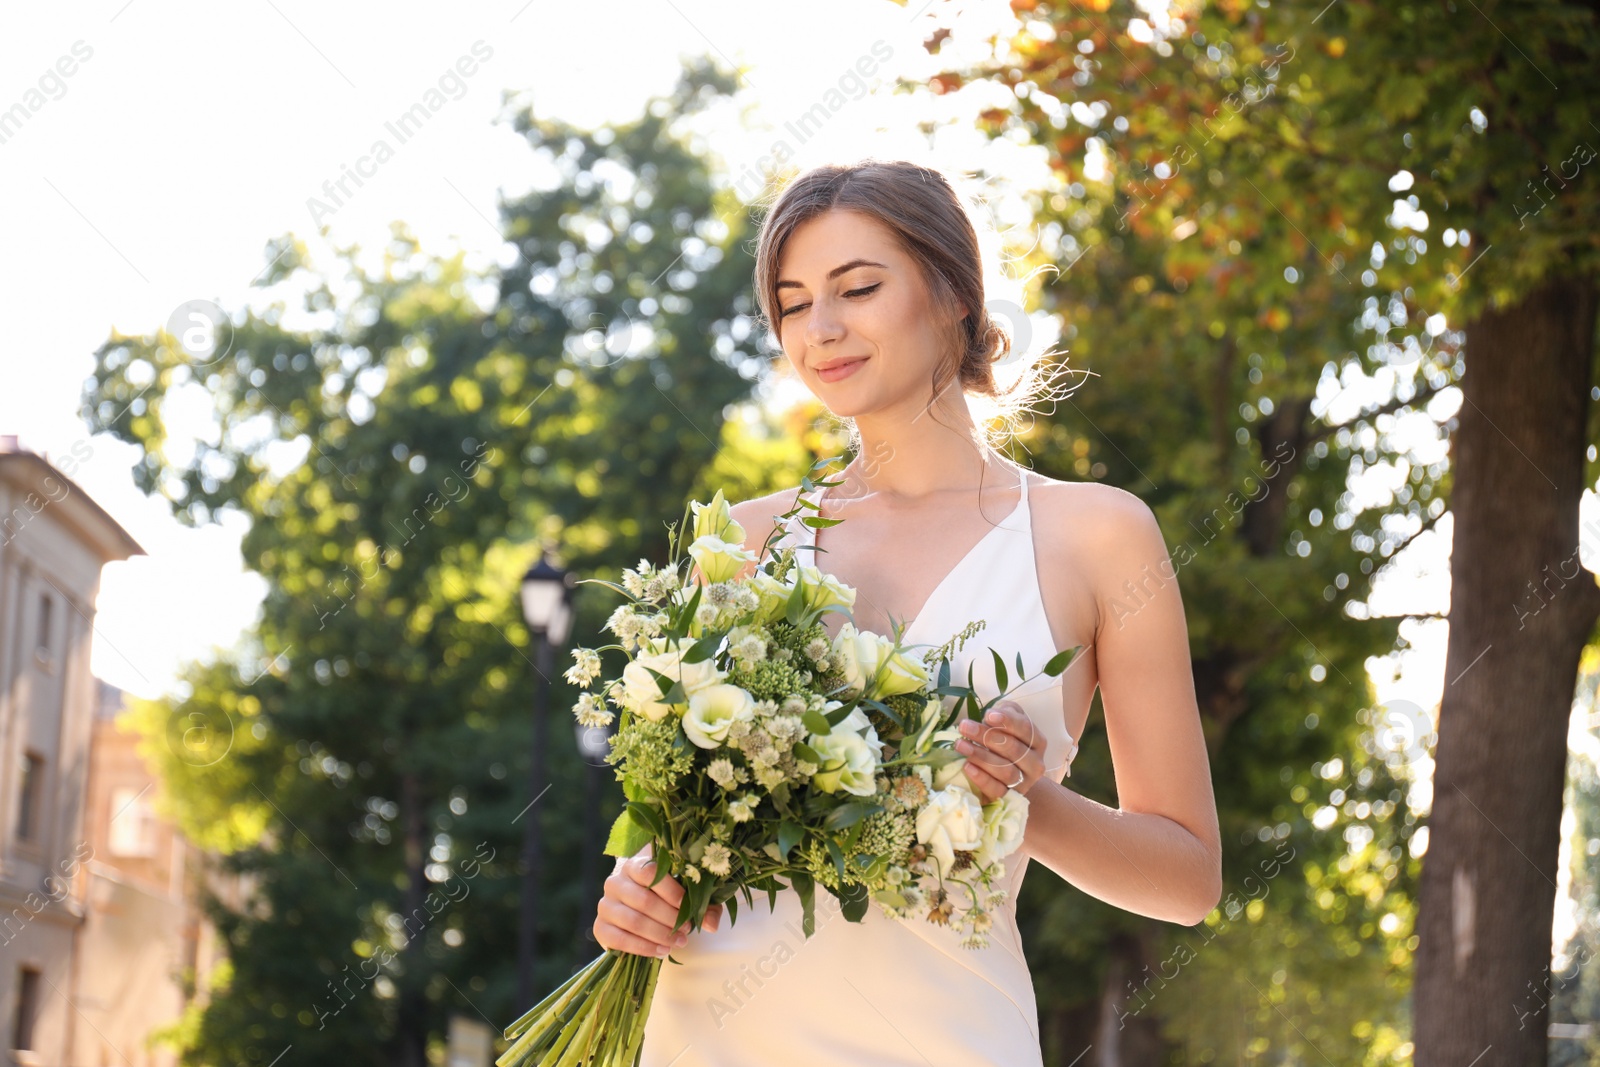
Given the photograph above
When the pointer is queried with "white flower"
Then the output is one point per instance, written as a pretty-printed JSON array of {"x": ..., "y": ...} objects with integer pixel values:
[
  {"x": 823, "y": 591},
  {"x": 585, "y": 667},
  {"x": 849, "y": 762},
  {"x": 951, "y": 820},
  {"x": 634, "y": 580},
  {"x": 950, "y": 772},
  {"x": 1003, "y": 823},
  {"x": 692, "y": 873},
  {"x": 716, "y": 520},
  {"x": 743, "y": 808},
  {"x": 719, "y": 560},
  {"x": 871, "y": 664},
  {"x": 746, "y": 645},
  {"x": 721, "y": 771},
  {"x": 857, "y": 720},
  {"x": 932, "y": 712},
  {"x": 642, "y": 692},
  {"x": 591, "y": 711},
  {"x": 624, "y": 621},
  {"x": 718, "y": 859},
  {"x": 712, "y": 711},
  {"x": 771, "y": 595}
]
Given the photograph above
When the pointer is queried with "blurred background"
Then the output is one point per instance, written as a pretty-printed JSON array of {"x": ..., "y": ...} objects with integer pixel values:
[{"x": 344, "y": 339}]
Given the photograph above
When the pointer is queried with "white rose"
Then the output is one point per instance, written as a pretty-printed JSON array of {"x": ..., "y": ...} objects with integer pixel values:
[
  {"x": 871, "y": 664},
  {"x": 951, "y": 820},
  {"x": 1003, "y": 823},
  {"x": 719, "y": 560},
  {"x": 642, "y": 693},
  {"x": 713, "y": 710},
  {"x": 858, "y": 722},
  {"x": 951, "y": 772},
  {"x": 848, "y": 763}
]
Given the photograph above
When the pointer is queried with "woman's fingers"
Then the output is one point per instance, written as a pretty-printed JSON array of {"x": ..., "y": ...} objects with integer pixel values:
[
  {"x": 643, "y": 871},
  {"x": 985, "y": 783},
  {"x": 1004, "y": 743},
  {"x": 635, "y": 916},
  {"x": 631, "y": 914},
  {"x": 1009, "y": 719}
]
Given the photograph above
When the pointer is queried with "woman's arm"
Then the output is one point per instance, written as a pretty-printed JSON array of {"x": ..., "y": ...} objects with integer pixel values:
[{"x": 1160, "y": 854}]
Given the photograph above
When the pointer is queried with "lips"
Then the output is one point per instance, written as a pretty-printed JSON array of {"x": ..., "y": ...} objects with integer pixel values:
[{"x": 839, "y": 368}]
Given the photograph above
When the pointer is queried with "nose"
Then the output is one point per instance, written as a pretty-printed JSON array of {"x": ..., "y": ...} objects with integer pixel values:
[{"x": 822, "y": 324}]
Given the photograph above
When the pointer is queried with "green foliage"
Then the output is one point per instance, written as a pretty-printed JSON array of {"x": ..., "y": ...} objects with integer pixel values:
[
  {"x": 1267, "y": 230},
  {"x": 397, "y": 436}
]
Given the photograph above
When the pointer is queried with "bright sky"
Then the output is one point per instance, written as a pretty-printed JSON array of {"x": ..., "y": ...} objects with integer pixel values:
[{"x": 154, "y": 173}]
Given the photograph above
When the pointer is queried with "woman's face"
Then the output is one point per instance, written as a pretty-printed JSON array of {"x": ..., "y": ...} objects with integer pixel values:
[{"x": 855, "y": 318}]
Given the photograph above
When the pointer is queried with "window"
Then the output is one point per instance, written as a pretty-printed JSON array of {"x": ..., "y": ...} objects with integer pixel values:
[
  {"x": 133, "y": 822},
  {"x": 27, "y": 1008},
  {"x": 30, "y": 811},
  {"x": 46, "y": 610}
]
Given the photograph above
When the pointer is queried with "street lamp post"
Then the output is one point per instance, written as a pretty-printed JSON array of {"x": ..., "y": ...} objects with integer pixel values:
[
  {"x": 547, "y": 606},
  {"x": 593, "y": 746}
]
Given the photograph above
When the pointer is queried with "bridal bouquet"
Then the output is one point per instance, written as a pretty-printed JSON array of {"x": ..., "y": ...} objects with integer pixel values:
[{"x": 758, "y": 754}]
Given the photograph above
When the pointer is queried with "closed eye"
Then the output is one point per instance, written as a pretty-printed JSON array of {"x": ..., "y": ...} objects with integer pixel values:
[{"x": 868, "y": 291}]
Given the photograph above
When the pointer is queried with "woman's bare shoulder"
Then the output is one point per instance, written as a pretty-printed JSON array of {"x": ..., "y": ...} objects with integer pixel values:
[
  {"x": 759, "y": 515},
  {"x": 1089, "y": 510},
  {"x": 1081, "y": 521}
]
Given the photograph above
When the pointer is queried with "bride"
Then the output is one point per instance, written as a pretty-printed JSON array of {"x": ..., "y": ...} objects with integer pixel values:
[{"x": 870, "y": 278}]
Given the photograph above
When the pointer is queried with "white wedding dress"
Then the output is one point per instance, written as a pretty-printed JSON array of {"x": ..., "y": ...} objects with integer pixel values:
[{"x": 882, "y": 991}]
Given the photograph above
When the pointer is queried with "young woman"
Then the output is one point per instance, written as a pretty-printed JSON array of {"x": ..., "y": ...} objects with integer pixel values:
[{"x": 870, "y": 278}]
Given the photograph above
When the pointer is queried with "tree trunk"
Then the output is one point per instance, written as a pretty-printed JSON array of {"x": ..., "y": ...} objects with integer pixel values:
[
  {"x": 1128, "y": 1035},
  {"x": 1521, "y": 612}
]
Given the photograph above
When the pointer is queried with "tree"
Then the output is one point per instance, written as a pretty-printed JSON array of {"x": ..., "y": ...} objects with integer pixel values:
[
  {"x": 395, "y": 443},
  {"x": 1226, "y": 183}
]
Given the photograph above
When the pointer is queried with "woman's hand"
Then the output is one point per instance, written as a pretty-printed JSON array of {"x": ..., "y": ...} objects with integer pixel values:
[
  {"x": 1004, "y": 752},
  {"x": 634, "y": 916}
]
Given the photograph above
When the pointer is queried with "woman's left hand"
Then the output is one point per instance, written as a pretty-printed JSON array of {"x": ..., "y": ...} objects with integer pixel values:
[{"x": 1004, "y": 752}]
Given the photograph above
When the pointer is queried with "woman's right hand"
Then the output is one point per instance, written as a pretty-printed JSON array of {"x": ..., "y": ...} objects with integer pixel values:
[{"x": 634, "y": 916}]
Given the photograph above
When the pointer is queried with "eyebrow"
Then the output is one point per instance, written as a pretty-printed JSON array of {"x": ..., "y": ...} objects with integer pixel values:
[{"x": 834, "y": 273}]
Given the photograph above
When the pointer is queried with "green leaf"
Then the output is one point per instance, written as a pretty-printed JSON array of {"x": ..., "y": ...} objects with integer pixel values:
[
  {"x": 1000, "y": 670},
  {"x": 648, "y": 817},
  {"x": 847, "y": 815},
  {"x": 627, "y": 836},
  {"x": 704, "y": 648},
  {"x": 836, "y": 856},
  {"x": 807, "y": 753},
  {"x": 853, "y": 902},
  {"x": 806, "y": 888},
  {"x": 817, "y": 521},
  {"x": 789, "y": 835},
  {"x": 795, "y": 608},
  {"x": 1059, "y": 661},
  {"x": 816, "y": 722}
]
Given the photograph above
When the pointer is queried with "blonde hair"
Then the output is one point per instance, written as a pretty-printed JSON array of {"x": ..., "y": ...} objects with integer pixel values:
[{"x": 932, "y": 225}]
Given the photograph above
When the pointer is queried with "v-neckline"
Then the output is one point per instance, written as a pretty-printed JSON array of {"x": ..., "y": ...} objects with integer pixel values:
[{"x": 928, "y": 602}]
